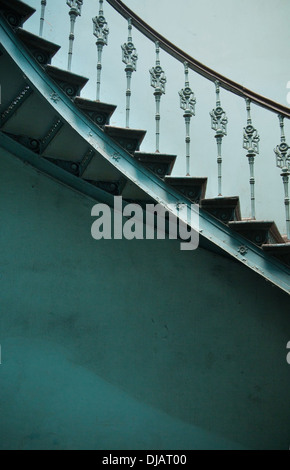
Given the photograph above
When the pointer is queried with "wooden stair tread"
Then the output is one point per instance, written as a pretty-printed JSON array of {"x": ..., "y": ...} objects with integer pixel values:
[
  {"x": 42, "y": 50},
  {"x": 194, "y": 188}
]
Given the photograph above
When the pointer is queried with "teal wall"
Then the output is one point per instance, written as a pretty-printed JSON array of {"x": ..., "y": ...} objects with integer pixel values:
[{"x": 130, "y": 345}]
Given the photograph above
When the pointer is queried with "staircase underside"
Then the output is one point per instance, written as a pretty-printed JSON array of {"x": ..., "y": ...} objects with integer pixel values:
[{"x": 44, "y": 122}]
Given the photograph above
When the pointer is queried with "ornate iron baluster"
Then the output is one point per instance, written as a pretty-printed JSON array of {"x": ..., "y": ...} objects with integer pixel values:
[
  {"x": 158, "y": 81},
  {"x": 219, "y": 123},
  {"x": 129, "y": 58},
  {"x": 282, "y": 152},
  {"x": 75, "y": 11},
  {"x": 187, "y": 103},
  {"x": 101, "y": 31},
  {"x": 42, "y": 15},
  {"x": 251, "y": 144}
]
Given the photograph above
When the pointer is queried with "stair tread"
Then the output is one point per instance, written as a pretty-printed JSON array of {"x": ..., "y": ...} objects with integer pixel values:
[
  {"x": 65, "y": 75},
  {"x": 20, "y": 8},
  {"x": 221, "y": 200},
  {"x": 91, "y": 105},
  {"x": 30, "y": 39},
  {"x": 277, "y": 247},
  {"x": 129, "y": 139},
  {"x": 280, "y": 251},
  {"x": 124, "y": 130},
  {"x": 186, "y": 179},
  {"x": 159, "y": 163},
  {"x": 100, "y": 113},
  {"x": 253, "y": 223},
  {"x": 268, "y": 227},
  {"x": 224, "y": 208},
  {"x": 192, "y": 187},
  {"x": 155, "y": 156}
]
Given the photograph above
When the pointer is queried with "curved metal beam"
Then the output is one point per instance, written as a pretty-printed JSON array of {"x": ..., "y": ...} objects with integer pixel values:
[{"x": 197, "y": 66}]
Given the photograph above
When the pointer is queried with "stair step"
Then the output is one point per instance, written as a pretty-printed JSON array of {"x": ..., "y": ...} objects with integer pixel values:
[
  {"x": 129, "y": 139},
  {"x": 99, "y": 113},
  {"x": 225, "y": 209},
  {"x": 43, "y": 51},
  {"x": 159, "y": 163},
  {"x": 16, "y": 12},
  {"x": 280, "y": 251},
  {"x": 258, "y": 232},
  {"x": 192, "y": 188},
  {"x": 69, "y": 82}
]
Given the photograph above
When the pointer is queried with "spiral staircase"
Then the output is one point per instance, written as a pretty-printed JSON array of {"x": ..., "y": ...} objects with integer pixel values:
[
  {"x": 82, "y": 149},
  {"x": 47, "y": 126}
]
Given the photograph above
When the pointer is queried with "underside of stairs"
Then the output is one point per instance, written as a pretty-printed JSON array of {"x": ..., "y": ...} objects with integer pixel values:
[{"x": 54, "y": 140}]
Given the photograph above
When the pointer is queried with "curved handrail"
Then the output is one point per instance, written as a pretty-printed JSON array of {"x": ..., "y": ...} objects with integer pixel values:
[{"x": 195, "y": 65}]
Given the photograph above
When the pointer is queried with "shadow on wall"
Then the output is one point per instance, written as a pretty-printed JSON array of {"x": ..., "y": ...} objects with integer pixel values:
[{"x": 193, "y": 339}]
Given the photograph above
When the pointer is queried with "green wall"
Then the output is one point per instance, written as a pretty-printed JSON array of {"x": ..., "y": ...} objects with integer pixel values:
[{"x": 130, "y": 345}]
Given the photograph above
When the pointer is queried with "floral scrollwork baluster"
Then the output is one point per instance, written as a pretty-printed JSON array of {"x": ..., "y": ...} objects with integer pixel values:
[
  {"x": 129, "y": 57},
  {"x": 187, "y": 104},
  {"x": 251, "y": 141},
  {"x": 158, "y": 81},
  {"x": 282, "y": 152},
  {"x": 101, "y": 32},
  {"x": 219, "y": 122}
]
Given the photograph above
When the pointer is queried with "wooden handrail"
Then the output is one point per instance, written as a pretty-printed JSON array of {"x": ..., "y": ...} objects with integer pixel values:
[{"x": 197, "y": 66}]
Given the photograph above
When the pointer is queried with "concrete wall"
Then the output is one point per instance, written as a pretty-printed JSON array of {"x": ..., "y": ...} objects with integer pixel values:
[{"x": 130, "y": 345}]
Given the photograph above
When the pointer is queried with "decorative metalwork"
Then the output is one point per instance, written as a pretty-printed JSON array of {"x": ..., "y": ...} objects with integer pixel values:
[
  {"x": 70, "y": 89},
  {"x": 42, "y": 57},
  {"x": 86, "y": 161},
  {"x": 251, "y": 144},
  {"x": 54, "y": 97},
  {"x": 54, "y": 129},
  {"x": 187, "y": 103},
  {"x": 75, "y": 11},
  {"x": 219, "y": 122},
  {"x": 129, "y": 58},
  {"x": 243, "y": 250},
  {"x": 160, "y": 169},
  {"x": 158, "y": 81},
  {"x": 251, "y": 136},
  {"x": 282, "y": 153},
  {"x": 42, "y": 16},
  {"x": 101, "y": 31},
  {"x": 15, "y": 104},
  {"x": 116, "y": 156}
]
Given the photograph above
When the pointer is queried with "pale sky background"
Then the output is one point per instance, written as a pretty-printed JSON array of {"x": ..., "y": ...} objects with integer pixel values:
[{"x": 245, "y": 40}]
